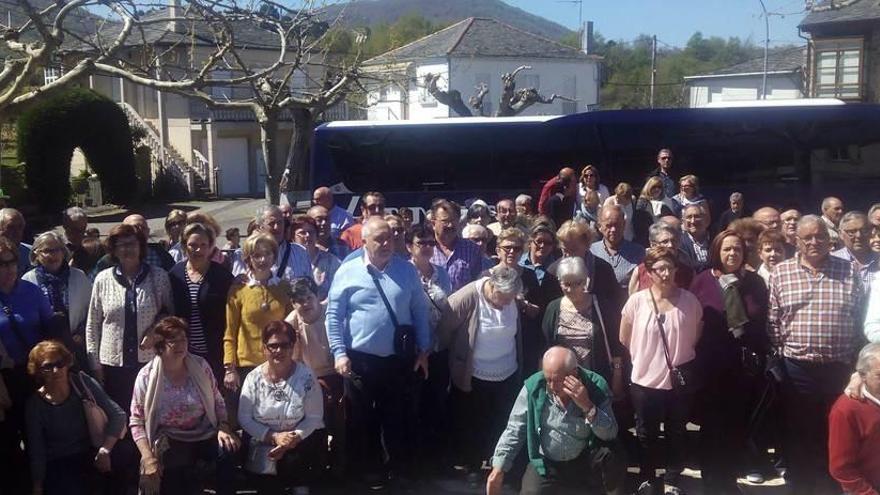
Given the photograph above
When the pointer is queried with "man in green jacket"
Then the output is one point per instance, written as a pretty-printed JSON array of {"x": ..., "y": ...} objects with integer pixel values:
[{"x": 563, "y": 416}]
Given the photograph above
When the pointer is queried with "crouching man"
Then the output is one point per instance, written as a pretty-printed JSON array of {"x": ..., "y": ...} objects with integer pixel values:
[{"x": 563, "y": 416}]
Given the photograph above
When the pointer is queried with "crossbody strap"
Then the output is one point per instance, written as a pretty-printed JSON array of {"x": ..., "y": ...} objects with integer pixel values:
[
  {"x": 372, "y": 273},
  {"x": 282, "y": 266},
  {"x": 662, "y": 331},
  {"x": 602, "y": 324}
]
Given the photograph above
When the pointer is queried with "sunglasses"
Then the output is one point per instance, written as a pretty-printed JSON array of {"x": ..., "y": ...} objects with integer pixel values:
[
  {"x": 279, "y": 346},
  {"x": 52, "y": 366}
]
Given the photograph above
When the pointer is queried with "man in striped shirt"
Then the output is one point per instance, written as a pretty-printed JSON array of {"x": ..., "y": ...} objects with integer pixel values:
[{"x": 815, "y": 318}]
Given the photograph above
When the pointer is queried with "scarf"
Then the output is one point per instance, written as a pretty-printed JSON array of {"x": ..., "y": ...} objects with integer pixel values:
[
  {"x": 55, "y": 287},
  {"x": 536, "y": 388},
  {"x": 153, "y": 394},
  {"x": 734, "y": 309},
  {"x": 130, "y": 330}
]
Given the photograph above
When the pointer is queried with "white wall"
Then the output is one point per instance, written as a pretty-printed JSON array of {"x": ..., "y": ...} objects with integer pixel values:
[
  {"x": 572, "y": 78},
  {"x": 743, "y": 88},
  {"x": 422, "y": 105}
]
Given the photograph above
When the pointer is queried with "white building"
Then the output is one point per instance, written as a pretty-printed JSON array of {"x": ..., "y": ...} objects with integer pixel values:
[
  {"x": 744, "y": 81},
  {"x": 478, "y": 51}
]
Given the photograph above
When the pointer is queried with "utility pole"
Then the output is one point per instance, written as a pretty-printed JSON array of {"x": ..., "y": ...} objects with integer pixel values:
[
  {"x": 766, "y": 50},
  {"x": 653, "y": 66},
  {"x": 580, "y": 4}
]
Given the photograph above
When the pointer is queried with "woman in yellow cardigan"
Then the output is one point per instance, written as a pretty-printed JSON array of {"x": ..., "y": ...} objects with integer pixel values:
[{"x": 251, "y": 305}]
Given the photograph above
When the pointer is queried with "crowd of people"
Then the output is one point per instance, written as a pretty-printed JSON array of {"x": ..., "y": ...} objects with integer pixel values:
[{"x": 512, "y": 345}]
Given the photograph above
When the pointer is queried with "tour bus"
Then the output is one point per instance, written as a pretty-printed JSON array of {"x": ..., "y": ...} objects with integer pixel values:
[{"x": 789, "y": 154}]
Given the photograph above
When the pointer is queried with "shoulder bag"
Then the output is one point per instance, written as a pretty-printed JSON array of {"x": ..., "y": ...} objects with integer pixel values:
[
  {"x": 404, "y": 335},
  {"x": 684, "y": 376},
  {"x": 96, "y": 418}
]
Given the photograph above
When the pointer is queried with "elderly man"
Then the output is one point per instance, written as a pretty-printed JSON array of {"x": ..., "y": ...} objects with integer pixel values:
[
  {"x": 563, "y": 417},
  {"x": 292, "y": 260},
  {"x": 737, "y": 210},
  {"x": 563, "y": 187},
  {"x": 12, "y": 227},
  {"x": 156, "y": 254},
  {"x": 695, "y": 241},
  {"x": 832, "y": 212},
  {"x": 790, "y": 218},
  {"x": 623, "y": 256},
  {"x": 768, "y": 217},
  {"x": 74, "y": 221},
  {"x": 664, "y": 172},
  {"x": 372, "y": 205},
  {"x": 854, "y": 430},
  {"x": 505, "y": 212},
  {"x": 461, "y": 258},
  {"x": 371, "y": 301},
  {"x": 855, "y": 233},
  {"x": 324, "y": 239},
  {"x": 814, "y": 318},
  {"x": 479, "y": 235},
  {"x": 524, "y": 207},
  {"x": 340, "y": 219},
  {"x": 540, "y": 254}
]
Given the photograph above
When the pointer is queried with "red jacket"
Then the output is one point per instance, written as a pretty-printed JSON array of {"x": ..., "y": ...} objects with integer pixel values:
[
  {"x": 854, "y": 445},
  {"x": 546, "y": 192}
]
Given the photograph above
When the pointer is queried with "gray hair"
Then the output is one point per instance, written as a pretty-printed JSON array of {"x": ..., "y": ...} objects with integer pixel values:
[
  {"x": 6, "y": 213},
  {"x": 812, "y": 219},
  {"x": 658, "y": 228},
  {"x": 370, "y": 225},
  {"x": 73, "y": 214},
  {"x": 827, "y": 202},
  {"x": 867, "y": 357},
  {"x": 874, "y": 207},
  {"x": 505, "y": 280},
  {"x": 473, "y": 228},
  {"x": 263, "y": 210},
  {"x": 41, "y": 240},
  {"x": 853, "y": 215},
  {"x": 525, "y": 198},
  {"x": 572, "y": 267},
  {"x": 570, "y": 363},
  {"x": 737, "y": 196},
  {"x": 606, "y": 210}
]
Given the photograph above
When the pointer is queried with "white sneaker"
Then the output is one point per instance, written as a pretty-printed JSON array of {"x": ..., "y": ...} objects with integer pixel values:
[
  {"x": 755, "y": 477},
  {"x": 300, "y": 490}
]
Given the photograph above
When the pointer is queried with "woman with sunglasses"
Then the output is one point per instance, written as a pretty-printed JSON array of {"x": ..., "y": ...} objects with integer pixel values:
[
  {"x": 590, "y": 182},
  {"x": 179, "y": 419},
  {"x": 660, "y": 326},
  {"x": 64, "y": 457},
  {"x": 652, "y": 205},
  {"x": 281, "y": 407}
]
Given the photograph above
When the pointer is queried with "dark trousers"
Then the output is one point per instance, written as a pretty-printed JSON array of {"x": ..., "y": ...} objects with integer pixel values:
[
  {"x": 808, "y": 393},
  {"x": 119, "y": 384},
  {"x": 433, "y": 404},
  {"x": 186, "y": 466},
  {"x": 380, "y": 412},
  {"x": 481, "y": 416},
  {"x": 334, "y": 420},
  {"x": 605, "y": 465},
  {"x": 13, "y": 430},
  {"x": 231, "y": 397},
  {"x": 723, "y": 434},
  {"x": 71, "y": 475},
  {"x": 652, "y": 407},
  {"x": 299, "y": 466}
]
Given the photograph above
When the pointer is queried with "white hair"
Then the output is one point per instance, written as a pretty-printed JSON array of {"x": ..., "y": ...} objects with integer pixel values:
[
  {"x": 44, "y": 238},
  {"x": 869, "y": 355},
  {"x": 263, "y": 210},
  {"x": 570, "y": 268},
  {"x": 505, "y": 280},
  {"x": 474, "y": 229},
  {"x": 570, "y": 363},
  {"x": 370, "y": 225},
  {"x": 810, "y": 220},
  {"x": 74, "y": 213},
  {"x": 523, "y": 198}
]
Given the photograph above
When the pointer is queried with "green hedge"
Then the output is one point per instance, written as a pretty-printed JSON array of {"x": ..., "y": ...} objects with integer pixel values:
[{"x": 48, "y": 134}]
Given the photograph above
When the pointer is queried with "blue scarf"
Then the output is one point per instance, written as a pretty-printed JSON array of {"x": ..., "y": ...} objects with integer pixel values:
[
  {"x": 130, "y": 331},
  {"x": 55, "y": 287}
]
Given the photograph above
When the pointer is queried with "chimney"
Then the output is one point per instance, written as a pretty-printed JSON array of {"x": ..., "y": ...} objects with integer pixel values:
[
  {"x": 174, "y": 10},
  {"x": 587, "y": 37}
]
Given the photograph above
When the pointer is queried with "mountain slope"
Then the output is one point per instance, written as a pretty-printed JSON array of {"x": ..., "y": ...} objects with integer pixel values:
[{"x": 373, "y": 12}]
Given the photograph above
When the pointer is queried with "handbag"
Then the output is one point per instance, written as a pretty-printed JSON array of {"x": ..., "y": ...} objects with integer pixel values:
[
  {"x": 684, "y": 376},
  {"x": 404, "y": 335},
  {"x": 96, "y": 418}
]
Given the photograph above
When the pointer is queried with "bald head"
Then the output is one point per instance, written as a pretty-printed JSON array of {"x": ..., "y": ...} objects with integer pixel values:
[
  {"x": 323, "y": 197},
  {"x": 560, "y": 360},
  {"x": 138, "y": 222},
  {"x": 832, "y": 209},
  {"x": 322, "y": 219},
  {"x": 768, "y": 217},
  {"x": 378, "y": 241}
]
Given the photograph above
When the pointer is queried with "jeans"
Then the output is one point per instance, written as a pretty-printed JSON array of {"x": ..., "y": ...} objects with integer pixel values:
[
  {"x": 652, "y": 407},
  {"x": 480, "y": 417},
  {"x": 187, "y": 465},
  {"x": 808, "y": 392},
  {"x": 606, "y": 463},
  {"x": 298, "y": 467}
]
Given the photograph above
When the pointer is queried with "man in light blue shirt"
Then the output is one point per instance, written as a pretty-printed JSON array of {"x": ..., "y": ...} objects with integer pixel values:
[
  {"x": 855, "y": 233},
  {"x": 340, "y": 219},
  {"x": 361, "y": 333},
  {"x": 563, "y": 416},
  {"x": 624, "y": 256}
]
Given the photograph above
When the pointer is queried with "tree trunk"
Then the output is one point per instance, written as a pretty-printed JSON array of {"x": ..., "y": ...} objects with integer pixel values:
[
  {"x": 300, "y": 148},
  {"x": 268, "y": 137}
]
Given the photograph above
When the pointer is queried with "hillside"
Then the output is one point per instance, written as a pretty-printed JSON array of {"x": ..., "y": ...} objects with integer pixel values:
[{"x": 375, "y": 12}]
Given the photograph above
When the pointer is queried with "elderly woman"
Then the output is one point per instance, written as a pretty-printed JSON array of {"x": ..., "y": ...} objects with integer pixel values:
[
  {"x": 64, "y": 456},
  {"x": 689, "y": 193},
  {"x": 662, "y": 234},
  {"x": 178, "y": 418},
  {"x": 68, "y": 289},
  {"x": 324, "y": 264},
  {"x": 590, "y": 181},
  {"x": 482, "y": 331},
  {"x": 651, "y": 206},
  {"x": 126, "y": 302},
  {"x": 730, "y": 356},
  {"x": 250, "y": 307},
  {"x": 660, "y": 326},
  {"x": 748, "y": 229},
  {"x": 200, "y": 288},
  {"x": 482, "y": 237},
  {"x": 575, "y": 239},
  {"x": 623, "y": 197},
  {"x": 174, "y": 223},
  {"x": 281, "y": 408},
  {"x": 578, "y": 322}
]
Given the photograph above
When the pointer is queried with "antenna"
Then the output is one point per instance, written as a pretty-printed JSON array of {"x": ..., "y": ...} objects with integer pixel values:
[{"x": 580, "y": 4}]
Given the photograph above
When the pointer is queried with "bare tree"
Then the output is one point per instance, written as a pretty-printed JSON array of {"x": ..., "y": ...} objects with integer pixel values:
[
  {"x": 224, "y": 35},
  {"x": 512, "y": 101}
]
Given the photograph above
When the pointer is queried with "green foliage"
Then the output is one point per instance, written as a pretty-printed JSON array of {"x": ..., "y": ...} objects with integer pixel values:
[
  {"x": 627, "y": 67},
  {"x": 48, "y": 134},
  {"x": 406, "y": 29},
  {"x": 572, "y": 39}
]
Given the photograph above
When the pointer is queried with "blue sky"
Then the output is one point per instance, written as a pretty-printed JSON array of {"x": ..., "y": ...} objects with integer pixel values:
[{"x": 674, "y": 21}]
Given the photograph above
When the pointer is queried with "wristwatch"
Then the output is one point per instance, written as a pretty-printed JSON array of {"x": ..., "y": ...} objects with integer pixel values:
[
  {"x": 104, "y": 450},
  {"x": 591, "y": 415}
]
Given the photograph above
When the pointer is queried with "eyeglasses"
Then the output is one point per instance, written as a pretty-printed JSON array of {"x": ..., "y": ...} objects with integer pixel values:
[
  {"x": 52, "y": 366},
  {"x": 8, "y": 263},
  {"x": 425, "y": 242},
  {"x": 665, "y": 158},
  {"x": 510, "y": 249},
  {"x": 279, "y": 346},
  {"x": 50, "y": 251},
  {"x": 542, "y": 243}
]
